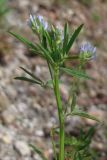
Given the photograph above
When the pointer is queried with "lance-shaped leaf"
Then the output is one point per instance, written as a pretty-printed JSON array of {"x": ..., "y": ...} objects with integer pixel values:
[
  {"x": 28, "y": 80},
  {"x": 90, "y": 133},
  {"x": 75, "y": 73},
  {"x": 32, "y": 75},
  {"x": 65, "y": 38},
  {"x": 83, "y": 114},
  {"x": 49, "y": 40},
  {"x": 78, "y": 157},
  {"x": 33, "y": 47},
  {"x": 38, "y": 151},
  {"x": 73, "y": 37},
  {"x": 46, "y": 54},
  {"x": 73, "y": 104},
  {"x": 74, "y": 57}
]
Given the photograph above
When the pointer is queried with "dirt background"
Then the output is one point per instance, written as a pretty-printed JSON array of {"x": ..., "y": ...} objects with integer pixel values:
[{"x": 27, "y": 112}]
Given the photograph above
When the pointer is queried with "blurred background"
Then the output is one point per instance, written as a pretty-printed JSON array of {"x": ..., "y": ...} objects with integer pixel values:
[{"x": 27, "y": 112}]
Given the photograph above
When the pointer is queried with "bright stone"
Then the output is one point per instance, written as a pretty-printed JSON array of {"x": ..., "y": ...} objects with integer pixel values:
[{"x": 22, "y": 148}]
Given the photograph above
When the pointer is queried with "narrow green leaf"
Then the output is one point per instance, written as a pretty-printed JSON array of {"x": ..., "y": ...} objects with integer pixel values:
[
  {"x": 72, "y": 57},
  {"x": 90, "y": 133},
  {"x": 23, "y": 40},
  {"x": 75, "y": 73},
  {"x": 28, "y": 80},
  {"x": 73, "y": 104},
  {"x": 35, "y": 149},
  {"x": 79, "y": 156},
  {"x": 48, "y": 38},
  {"x": 46, "y": 54},
  {"x": 32, "y": 75},
  {"x": 73, "y": 37},
  {"x": 65, "y": 38},
  {"x": 83, "y": 114}
]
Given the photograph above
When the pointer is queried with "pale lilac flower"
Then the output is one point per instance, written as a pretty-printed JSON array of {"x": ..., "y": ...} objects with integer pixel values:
[
  {"x": 35, "y": 22},
  {"x": 87, "y": 51},
  {"x": 44, "y": 23},
  {"x": 60, "y": 32},
  {"x": 32, "y": 21}
]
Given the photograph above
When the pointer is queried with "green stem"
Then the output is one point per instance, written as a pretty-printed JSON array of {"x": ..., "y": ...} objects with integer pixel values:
[
  {"x": 60, "y": 114},
  {"x": 53, "y": 144}
]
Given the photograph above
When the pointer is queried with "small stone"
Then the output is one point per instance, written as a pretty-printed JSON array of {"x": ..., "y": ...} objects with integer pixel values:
[
  {"x": 39, "y": 133},
  {"x": 4, "y": 101},
  {"x": 98, "y": 146},
  {"x": 98, "y": 113},
  {"x": 92, "y": 93},
  {"x": 6, "y": 135},
  {"x": 11, "y": 92},
  {"x": 37, "y": 157},
  {"x": 6, "y": 139},
  {"x": 64, "y": 91},
  {"x": 22, "y": 148},
  {"x": 9, "y": 115},
  {"x": 21, "y": 107},
  {"x": 23, "y": 3}
]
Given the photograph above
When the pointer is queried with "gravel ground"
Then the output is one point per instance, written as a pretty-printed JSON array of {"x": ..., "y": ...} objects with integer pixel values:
[{"x": 26, "y": 111}]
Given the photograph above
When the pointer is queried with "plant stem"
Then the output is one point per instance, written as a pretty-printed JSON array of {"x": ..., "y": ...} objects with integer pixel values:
[
  {"x": 60, "y": 114},
  {"x": 53, "y": 144}
]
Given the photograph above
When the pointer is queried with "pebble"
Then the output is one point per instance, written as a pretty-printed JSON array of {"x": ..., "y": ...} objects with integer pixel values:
[
  {"x": 9, "y": 115},
  {"x": 39, "y": 133},
  {"x": 22, "y": 148},
  {"x": 37, "y": 157},
  {"x": 98, "y": 113},
  {"x": 4, "y": 101},
  {"x": 11, "y": 92},
  {"x": 21, "y": 107}
]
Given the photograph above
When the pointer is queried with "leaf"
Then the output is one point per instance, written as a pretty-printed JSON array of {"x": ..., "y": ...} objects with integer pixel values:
[
  {"x": 65, "y": 38},
  {"x": 25, "y": 41},
  {"x": 28, "y": 80},
  {"x": 73, "y": 37},
  {"x": 48, "y": 38},
  {"x": 83, "y": 114},
  {"x": 70, "y": 141},
  {"x": 75, "y": 73},
  {"x": 79, "y": 156},
  {"x": 74, "y": 57},
  {"x": 35, "y": 149},
  {"x": 32, "y": 75},
  {"x": 90, "y": 133},
  {"x": 46, "y": 54},
  {"x": 73, "y": 104}
]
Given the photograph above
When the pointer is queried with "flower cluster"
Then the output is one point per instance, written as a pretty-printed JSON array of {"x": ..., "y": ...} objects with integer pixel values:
[
  {"x": 37, "y": 22},
  {"x": 87, "y": 51}
]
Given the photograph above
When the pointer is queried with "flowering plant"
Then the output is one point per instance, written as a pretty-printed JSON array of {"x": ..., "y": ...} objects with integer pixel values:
[{"x": 54, "y": 46}]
